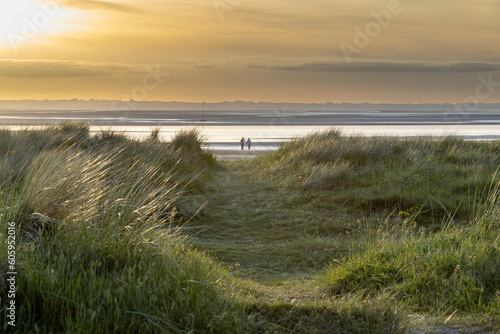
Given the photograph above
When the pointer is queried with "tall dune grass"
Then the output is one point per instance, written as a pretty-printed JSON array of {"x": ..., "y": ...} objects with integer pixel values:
[
  {"x": 445, "y": 176},
  {"x": 101, "y": 247},
  {"x": 438, "y": 250},
  {"x": 97, "y": 249}
]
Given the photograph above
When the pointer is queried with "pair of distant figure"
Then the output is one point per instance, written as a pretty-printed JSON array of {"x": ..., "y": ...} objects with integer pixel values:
[{"x": 248, "y": 142}]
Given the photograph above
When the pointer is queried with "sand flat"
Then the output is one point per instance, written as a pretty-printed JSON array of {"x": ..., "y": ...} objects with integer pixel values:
[{"x": 237, "y": 154}]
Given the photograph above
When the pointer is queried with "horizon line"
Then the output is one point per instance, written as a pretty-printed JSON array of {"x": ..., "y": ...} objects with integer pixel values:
[{"x": 240, "y": 101}]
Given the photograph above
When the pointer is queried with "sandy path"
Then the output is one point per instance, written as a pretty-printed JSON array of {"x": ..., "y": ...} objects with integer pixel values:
[{"x": 237, "y": 154}]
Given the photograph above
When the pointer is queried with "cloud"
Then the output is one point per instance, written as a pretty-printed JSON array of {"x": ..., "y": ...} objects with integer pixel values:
[
  {"x": 384, "y": 67},
  {"x": 36, "y": 68},
  {"x": 106, "y": 5}
]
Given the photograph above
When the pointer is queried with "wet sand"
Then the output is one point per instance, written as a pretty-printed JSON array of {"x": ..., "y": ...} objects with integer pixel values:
[
  {"x": 268, "y": 128},
  {"x": 274, "y": 118},
  {"x": 237, "y": 154}
]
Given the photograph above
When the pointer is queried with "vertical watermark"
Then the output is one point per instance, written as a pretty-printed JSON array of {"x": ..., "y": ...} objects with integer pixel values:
[
  {"x": 372, "y": 29},
  {"x": 150, "y": 81},
  {"x": 11, "y": 276},
  {"x": 223, "y": 6},
  {"x": 33, "y": 24}
]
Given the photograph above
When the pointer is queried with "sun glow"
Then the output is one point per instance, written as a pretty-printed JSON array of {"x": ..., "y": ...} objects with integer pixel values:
[{"x": 22, "y": 21}]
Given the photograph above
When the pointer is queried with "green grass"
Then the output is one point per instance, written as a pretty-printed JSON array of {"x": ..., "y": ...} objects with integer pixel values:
[
  {"x": 454, "y": 270},
  {"x": 330, "y": 234},
  {"x": 97, "y": 249},
  {"x": 445, "y": 176},
  {"x": 396, "y": 233}
]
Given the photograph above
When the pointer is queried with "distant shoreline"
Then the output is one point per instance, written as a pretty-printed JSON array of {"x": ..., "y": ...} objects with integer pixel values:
[
  {"x": 96, "y": 105},
  {"x": 271, "y": 118},
  {"x": 223, "y": 129}
]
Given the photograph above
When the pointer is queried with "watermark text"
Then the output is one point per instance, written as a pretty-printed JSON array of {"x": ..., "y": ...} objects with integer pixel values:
[{"x": 11, "y": 276}]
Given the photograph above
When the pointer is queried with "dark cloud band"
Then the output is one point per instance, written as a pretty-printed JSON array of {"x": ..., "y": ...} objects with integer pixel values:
[
  {"x": 54, "y": 68},
  {"x": 381, "y": 67}
]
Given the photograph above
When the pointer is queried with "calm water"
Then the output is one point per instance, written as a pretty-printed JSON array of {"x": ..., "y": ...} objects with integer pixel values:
[
  {"x": 267, "y": 129},
  {"x": 227, "y": 137},
  {"x": 269, "y": 138}
]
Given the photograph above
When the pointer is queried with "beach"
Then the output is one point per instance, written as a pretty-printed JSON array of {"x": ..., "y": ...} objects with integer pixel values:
[
  {"x": 222, "y": 129},
  {"x": 236, "y": 154}
]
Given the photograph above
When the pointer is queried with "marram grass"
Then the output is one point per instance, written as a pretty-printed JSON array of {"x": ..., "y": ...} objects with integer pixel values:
[
  {"x": 97, "y": 250},
  {"x": 102, "y": 222},
  {"x": 446, "y": 176},
  {"x": 456, "y": 270}
]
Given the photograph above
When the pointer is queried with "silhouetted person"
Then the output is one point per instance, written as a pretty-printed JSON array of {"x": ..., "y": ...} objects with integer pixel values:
[
  {"x": 242, "y": 142},
  {"x": 249, "y": 143}
]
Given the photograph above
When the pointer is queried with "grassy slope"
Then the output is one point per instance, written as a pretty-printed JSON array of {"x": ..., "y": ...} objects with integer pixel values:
[
  {"x": 96, "y": 252},
  {"x": 277, "y": 247},
  {"x": 444, "y": 177},
  {"x": 279, "y": 219},
  {"x": 275, "y": 222},
  {"x": 253, "y": 222}
]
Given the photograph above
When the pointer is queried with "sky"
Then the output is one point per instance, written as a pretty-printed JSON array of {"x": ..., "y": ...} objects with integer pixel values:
[{"x": 392, "y": 51}]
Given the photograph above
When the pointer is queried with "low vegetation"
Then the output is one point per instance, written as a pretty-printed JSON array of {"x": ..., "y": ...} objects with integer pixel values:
[
  {"x": 442, "y": 177},
  {"x": 430, "y": 233},
  {"x": 329, "y": 234},
  {"x": 455, "y": 270}
]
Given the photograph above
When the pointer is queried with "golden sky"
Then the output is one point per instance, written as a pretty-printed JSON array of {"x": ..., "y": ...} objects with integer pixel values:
[{"x": 397, "y": 51}]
